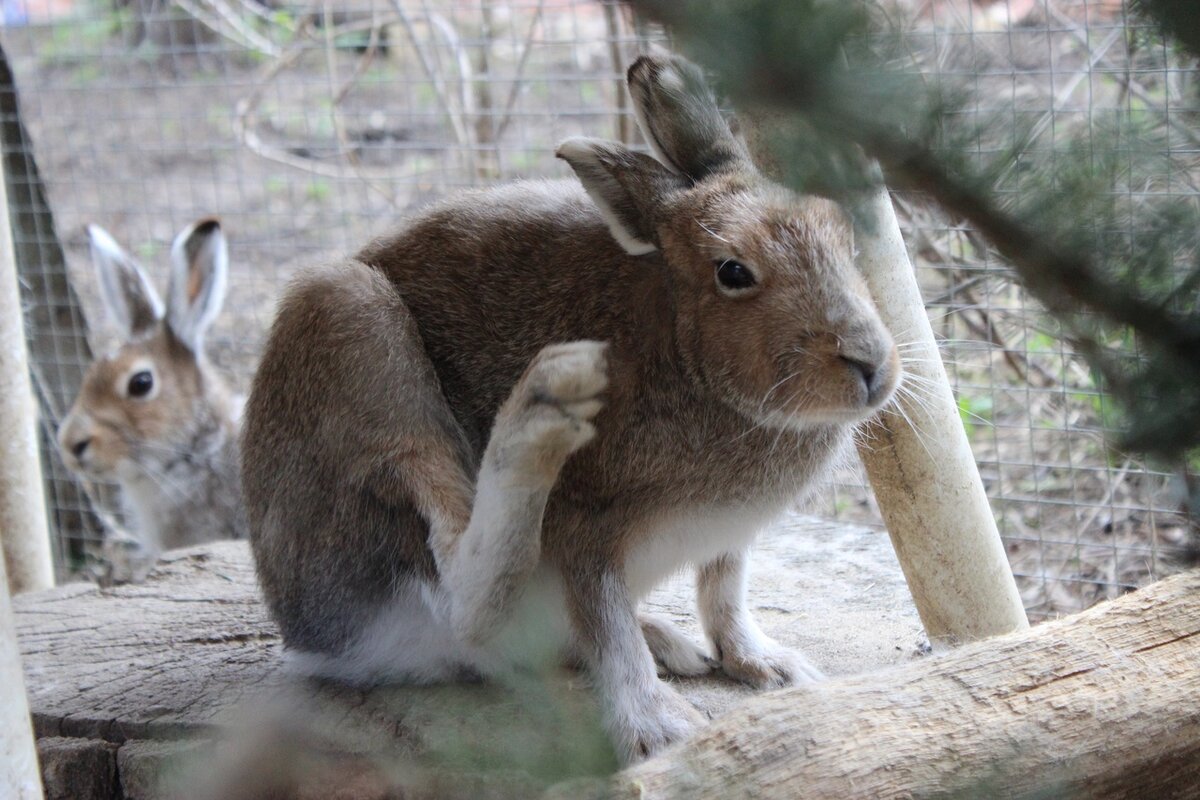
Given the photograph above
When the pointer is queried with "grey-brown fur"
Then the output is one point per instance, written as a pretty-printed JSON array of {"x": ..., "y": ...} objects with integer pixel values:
[{"x": 391, "y": 416}]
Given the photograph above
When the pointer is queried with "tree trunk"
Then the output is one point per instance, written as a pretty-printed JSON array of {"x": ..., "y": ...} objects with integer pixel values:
[{"x": 1103, "y": 704}]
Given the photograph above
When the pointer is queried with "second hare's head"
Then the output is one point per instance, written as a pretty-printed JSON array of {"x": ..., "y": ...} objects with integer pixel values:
[
  {"x": 771, "y": 312},
  {"x": 142, "y": 404}
]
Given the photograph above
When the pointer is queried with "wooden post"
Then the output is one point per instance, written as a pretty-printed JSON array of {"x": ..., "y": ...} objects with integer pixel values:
[
  {"x": 23, "y": 528},
  {"x": 19, "y": 775},
  {"x": 921, "y": 466}
]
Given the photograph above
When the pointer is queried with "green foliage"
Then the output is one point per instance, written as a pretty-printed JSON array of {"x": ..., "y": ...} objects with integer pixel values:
[
  {"x": 147, "y": 249},
  {"x": 318, "y": 190},
  {"x": 973, "y": 411}
]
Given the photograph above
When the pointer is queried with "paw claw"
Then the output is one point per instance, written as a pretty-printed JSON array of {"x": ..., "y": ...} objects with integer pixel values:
[
  {"x": 770, "y": 666},
  {"x": 656, "y": 721}
]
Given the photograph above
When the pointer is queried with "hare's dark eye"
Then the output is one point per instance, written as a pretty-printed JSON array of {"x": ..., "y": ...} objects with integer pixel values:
[
  {"x": 734, "y": 275},
  {"x": 140, "y": 383}
]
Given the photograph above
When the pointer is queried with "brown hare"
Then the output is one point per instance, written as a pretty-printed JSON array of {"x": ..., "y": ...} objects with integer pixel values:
[
  {"x": 551, "y": 396},
  {"x": 154, "y": 415}
]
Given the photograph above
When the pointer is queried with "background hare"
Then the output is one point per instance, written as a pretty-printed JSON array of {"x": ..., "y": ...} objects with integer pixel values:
[
  {"x": 153, "y": 415},
  {"x": 541, "y": 400}
]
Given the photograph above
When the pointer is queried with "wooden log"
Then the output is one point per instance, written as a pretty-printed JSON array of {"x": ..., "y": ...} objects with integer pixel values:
[
  {"x": 190, "y": 657},
  {"x": 1103, "y": 704}
]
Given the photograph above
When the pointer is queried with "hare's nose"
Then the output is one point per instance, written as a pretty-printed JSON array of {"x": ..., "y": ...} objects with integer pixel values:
[
  {"x": 868, "y": 372},
  {"x": 80, "y": 447}
]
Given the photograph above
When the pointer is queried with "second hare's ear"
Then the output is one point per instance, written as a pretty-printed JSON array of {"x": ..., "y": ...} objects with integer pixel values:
[
  {"x": 679, "y": 116},
  {"x": 125, "y": 290},
  {"x": 629, "y": 188},
  {"x": 199, "y": 269}
]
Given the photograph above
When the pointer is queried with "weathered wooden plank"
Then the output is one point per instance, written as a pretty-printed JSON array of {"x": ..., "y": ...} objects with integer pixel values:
[{"x": 191, "y": 654}]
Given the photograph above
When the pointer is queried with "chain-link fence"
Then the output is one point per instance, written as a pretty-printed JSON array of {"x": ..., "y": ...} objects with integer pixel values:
[{"x": 309, "y": 127}]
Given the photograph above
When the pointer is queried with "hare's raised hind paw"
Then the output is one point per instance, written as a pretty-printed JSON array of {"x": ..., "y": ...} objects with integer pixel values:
[{"x": 548, "y": 416}]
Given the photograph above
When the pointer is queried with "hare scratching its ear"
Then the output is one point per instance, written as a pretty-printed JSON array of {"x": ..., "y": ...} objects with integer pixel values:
[{"x": 529, "y": 405}]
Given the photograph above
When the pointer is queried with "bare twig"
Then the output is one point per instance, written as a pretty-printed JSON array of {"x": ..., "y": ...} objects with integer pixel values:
[
  {"x": 613, "y": 25},
  {"x": 515, "y": 91},
  {"x": 245, "y": 120},
  {"x": 461, "y": 134},
  {"x": 1124, "y": 78},
  {"x": 225, "y": 22}
]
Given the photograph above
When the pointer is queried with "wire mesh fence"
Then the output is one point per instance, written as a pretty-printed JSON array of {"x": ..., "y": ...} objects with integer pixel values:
[{"x": 309, "y": 127}]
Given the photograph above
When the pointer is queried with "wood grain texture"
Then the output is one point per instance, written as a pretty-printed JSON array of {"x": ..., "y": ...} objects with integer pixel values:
[
  {"x": 1103, "y": 704},
  {"x": 191, "y": 656}
]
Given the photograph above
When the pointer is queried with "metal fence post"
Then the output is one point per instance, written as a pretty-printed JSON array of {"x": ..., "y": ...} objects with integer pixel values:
[{"x": 921, "y": 467}]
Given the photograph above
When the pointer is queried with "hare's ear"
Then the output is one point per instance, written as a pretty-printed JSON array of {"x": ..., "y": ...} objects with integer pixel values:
[
  {"x": 678, "y": 114},
  {"x": 199, "y": 268},
  {"x": 125, "y": 290},
  {"x": 629, "y": 188}
]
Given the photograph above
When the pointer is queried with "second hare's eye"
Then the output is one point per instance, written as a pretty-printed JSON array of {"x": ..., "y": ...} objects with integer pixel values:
[
  {"x": 140, "y": 383},
  {"x": 734, "y": 275}
]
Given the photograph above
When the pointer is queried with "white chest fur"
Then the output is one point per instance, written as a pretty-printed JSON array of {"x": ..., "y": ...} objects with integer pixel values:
[{"x": 697, "y": 537}]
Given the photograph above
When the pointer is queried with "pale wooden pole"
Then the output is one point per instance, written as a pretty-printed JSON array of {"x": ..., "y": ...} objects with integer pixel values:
[
  {"x": 23, "y": 528},
  {"x": 20, "y": 778},
  {"x": 920, "y": 463}
]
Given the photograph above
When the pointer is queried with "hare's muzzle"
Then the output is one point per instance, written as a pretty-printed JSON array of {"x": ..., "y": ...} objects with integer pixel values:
[
  {"x": 74, "y": 442},
  {"x": 877, "y": 377}
]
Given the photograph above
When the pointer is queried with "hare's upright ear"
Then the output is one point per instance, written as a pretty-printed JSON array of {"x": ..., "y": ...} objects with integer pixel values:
[
  {"x": 130, "y": 300},
  {"x": 678, "y": 114},
  {"x": 199, "y": 269},
  {"x": 629, "y": 188}
]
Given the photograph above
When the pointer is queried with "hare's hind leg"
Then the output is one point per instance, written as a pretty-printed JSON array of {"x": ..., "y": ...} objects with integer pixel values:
[
  {"x": 545, "y": 419},
  {"x": 368, "y": 512}
]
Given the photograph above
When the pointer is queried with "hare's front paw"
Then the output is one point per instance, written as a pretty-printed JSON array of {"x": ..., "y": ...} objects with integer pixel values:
[
  {"x": 126, "y": 560},
  {"x": 549, "y": 413},
  {"x": 766, "y": 664},
  {"x": 644, "y": 724}
]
